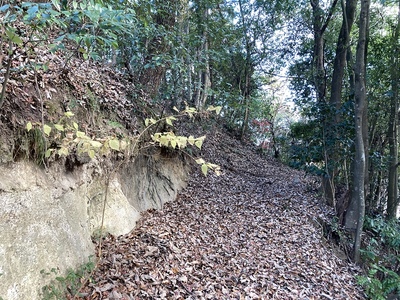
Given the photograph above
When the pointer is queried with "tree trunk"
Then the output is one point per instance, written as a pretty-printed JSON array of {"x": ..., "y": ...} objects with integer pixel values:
[
  {"x": 333, "y": 119},
  {"x": 248, "y": 73},
  {"x": 319, "y": 27},
  {"x": 392, "y": 202},
  {"x": 319, "y": 76},
  {"x": 355, "y": 215},
  {"x": 204, "y": 82},
  {"x": 164, "y": 19},
  {"x": 340, "y": 58}
]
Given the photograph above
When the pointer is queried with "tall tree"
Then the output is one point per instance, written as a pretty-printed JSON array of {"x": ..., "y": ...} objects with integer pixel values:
[
  {"x": 356, "y": 213},
  {"x": 393, "y": 132},
  {"x": 203, "y": 72},
  {"x": 320, "y": 21}
]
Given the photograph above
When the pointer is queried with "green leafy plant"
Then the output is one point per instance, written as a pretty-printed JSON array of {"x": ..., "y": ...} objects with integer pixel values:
[
  {"x": 61, "y": 286},
  {"x": 380, "y": 282},
  {"x": 381, "y": 257},
  {"x": 69, "y": 138}
]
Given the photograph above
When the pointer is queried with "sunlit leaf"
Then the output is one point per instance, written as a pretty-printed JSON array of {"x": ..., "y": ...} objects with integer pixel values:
[
  {"x": 68, "y": 114},
  {"x": 80, "y": 134},
  {"x": 198, "y": 143},
  {"x": 96, "y": 144},
  {"x": 29, "y": 126},
  {"x": 48, "y": 153},
  {"x": 91, "y": 153},
  {"x": 59, "y": 127},
  {"x": 204, "y": 169},
  {"x": 114, "y": 144},
  {"x": 164, "y": 141},
  {"x": 168, "y": 121},
  {"x": 200, "y": 161},
  {"x": 173, "y": 144},
  {"x": 47, "y": 129},
  {"x": 63, "y": 151},
  {"x": 191, "y": 140}
]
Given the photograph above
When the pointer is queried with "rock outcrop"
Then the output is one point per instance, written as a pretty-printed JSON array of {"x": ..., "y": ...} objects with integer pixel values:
[{"x": 48, "y": 217}]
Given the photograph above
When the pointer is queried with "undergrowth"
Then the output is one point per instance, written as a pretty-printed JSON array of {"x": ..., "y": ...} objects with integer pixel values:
[
  {"x": 68, "y": 286},
  {"x": 381, "y": 256}
]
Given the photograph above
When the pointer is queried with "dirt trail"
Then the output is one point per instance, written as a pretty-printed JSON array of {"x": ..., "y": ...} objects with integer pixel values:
[{"x": 248, "y": 234}]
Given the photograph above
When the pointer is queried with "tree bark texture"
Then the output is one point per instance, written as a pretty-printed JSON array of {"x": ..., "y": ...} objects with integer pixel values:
[
  {"x": 355, "y": 216},
  {"x": 203, "y": 75},
  {"x": 339, "y": 65}
]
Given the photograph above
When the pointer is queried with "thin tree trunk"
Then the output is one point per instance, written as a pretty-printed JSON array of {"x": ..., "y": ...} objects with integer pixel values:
[
  {"x": 393, "y": 134},
  {"x": 319, "y": 77},
  {"x": 319, "y": 27},
  {"x": 340, "y": 58},
  {"x": 357, "y": 205},
  {"x": 248, "y": 73},
  {"x": 203, "y": 75}
]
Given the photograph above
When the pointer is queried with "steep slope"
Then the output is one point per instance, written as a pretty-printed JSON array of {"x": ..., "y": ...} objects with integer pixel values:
[{"x": 249, "y": 234}]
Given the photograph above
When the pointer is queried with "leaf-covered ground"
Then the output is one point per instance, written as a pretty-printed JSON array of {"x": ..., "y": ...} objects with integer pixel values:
[{"x": 248, "y": 234}]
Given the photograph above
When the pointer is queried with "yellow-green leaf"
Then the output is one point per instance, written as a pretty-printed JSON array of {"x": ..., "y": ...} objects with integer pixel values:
[
  {"x": 75, "y": 125},
  {"x": 114, "y": 144},
  {"x": 69, "y": 114},
  {"x": 29, "y": 126},
  {"x": 198, "y": 143},
  {"x": 191, "y": 140},
  {"x": 63, "y": 151},
  {"x": 146, "y": 122},
  {"x": 96, "y": 144},
  {"x": 204, "y": 169},
  {"x": 91, "y": 153},
  {"x": 168, "y": 121},
  {"x": 200, "y": 161},
  {"x": 218, "y": 109},
  {"x": 181, "y": 142},
  {"x": 59, "y": 127},
  {"x": 164, "y": 140},
  {"x": 47, "y": 129},
  {"x": 173, "y": 144},
  {"x": 175, "y": 109},
  {"x": 80, "y": 134},
  {"x": 48, "y": 153}
]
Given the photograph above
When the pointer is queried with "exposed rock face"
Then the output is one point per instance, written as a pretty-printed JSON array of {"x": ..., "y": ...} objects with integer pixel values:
[{"x": 47, "y": 217}]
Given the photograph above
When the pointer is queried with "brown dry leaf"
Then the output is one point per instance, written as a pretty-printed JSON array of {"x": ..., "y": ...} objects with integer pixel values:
[{"x": 248, "y": 234}]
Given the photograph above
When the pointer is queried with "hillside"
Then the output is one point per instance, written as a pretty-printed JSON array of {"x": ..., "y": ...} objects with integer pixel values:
[{"x": 251, "y": 233}]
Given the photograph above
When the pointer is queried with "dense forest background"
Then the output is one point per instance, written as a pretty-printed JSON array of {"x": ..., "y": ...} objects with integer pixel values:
[{"x": 313, "y": 83}]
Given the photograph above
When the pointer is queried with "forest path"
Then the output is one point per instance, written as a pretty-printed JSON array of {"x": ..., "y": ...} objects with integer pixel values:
[{"x": 247, "y": 234}]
